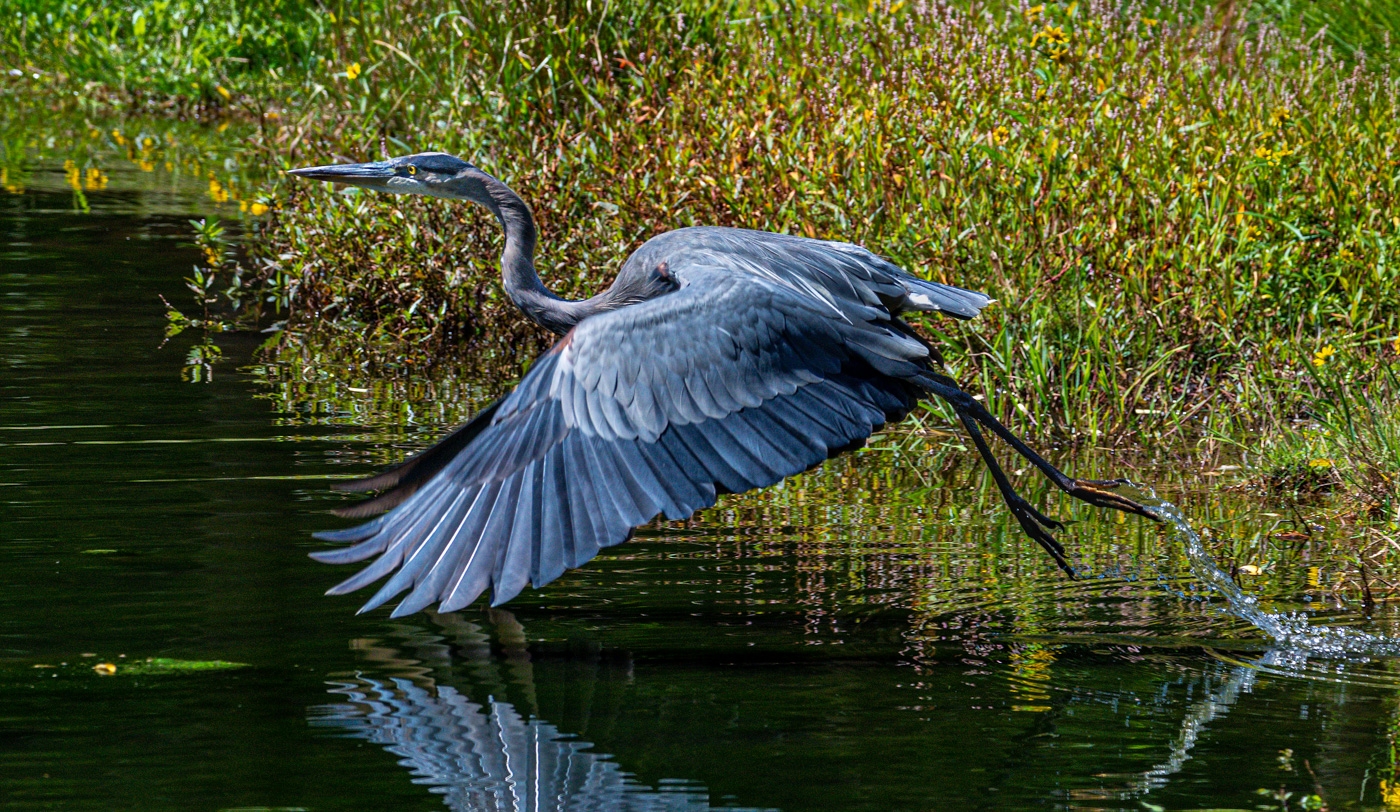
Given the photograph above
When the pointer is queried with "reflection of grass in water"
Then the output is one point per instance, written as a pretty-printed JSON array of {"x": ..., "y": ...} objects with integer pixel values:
[{"x": 163, "y": 153}]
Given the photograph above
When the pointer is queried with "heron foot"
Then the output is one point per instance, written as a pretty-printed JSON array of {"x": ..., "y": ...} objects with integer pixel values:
[
  {"x": 1100, "y": 493},
  {"x": 1038, "y": 526}
]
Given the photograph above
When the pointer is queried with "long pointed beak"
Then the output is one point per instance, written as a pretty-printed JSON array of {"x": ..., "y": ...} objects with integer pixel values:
[{"x": 371, "y": 175}]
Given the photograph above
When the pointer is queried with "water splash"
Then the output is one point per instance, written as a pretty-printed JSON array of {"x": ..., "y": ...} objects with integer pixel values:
[{"x": 1289, "y": 629}]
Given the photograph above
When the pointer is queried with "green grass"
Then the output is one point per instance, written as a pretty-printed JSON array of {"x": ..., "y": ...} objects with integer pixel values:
[
  {"x": 1349, "y": 442},
  {"x": 171, "y": 54},
  {"x": 1172, "y": 206},
  {"x": 1354, "y": 27},
  {"x": 1167, "y": 211}
]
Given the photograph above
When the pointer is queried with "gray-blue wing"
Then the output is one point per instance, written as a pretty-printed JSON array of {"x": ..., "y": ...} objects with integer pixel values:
[{"x": 731, "y": 383}]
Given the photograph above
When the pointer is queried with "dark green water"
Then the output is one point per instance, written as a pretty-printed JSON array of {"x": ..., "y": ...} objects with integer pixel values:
[{"x": 869, "y": 637}]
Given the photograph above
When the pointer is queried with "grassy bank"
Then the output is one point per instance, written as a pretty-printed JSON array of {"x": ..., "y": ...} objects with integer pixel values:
[
  {"x": 1348, "y": 445},
  {"x": 1179, "y": 208}
]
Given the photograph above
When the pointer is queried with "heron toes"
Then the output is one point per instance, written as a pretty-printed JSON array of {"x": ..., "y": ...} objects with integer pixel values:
[
  {"x": 1097, "y": 492},
  {"x": 1038, "y": 526},
  {"x": 1040, "y": 518}
]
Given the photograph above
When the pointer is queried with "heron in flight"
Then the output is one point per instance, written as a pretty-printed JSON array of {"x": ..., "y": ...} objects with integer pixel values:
[{"x": 719, "y": 361}]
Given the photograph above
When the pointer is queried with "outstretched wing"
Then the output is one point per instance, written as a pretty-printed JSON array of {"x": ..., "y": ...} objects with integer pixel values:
[{"x": 732, "y": 383}]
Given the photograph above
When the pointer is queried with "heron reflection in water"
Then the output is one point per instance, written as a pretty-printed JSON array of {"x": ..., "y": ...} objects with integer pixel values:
[
  {"x": 488, "y": 756},
  {"x": 480, "y": 752},
  {"x": 720, "y": 360}
]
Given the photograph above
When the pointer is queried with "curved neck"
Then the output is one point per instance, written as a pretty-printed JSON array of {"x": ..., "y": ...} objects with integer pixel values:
[{"x": 522, "y": 282}]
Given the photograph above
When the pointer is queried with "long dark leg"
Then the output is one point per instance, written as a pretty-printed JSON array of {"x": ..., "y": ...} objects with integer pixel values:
[
  {"x": 1036, "y": 524},
  {"x": 1094, "y": 492}
]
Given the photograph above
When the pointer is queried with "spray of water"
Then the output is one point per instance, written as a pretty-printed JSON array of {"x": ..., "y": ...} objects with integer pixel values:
[{"x": 1290, "y": 630}]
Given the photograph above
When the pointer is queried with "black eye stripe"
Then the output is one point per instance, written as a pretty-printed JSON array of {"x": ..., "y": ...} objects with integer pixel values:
[
  {"x": 431, "y": 164},
  {"x": 441, "y": 164}
]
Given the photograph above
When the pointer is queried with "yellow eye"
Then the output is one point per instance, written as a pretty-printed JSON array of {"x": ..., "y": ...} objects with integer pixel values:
[{"x": 412, "y": 170}]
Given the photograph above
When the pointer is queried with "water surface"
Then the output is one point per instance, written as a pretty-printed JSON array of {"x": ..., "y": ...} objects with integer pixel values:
[{"x": 872, "y": 636}]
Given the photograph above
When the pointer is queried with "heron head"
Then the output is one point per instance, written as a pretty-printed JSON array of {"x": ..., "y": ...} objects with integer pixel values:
[{"x": 435, "y": 174}]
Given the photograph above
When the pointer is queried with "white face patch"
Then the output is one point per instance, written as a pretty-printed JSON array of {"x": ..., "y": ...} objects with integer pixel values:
[{"x": 404, "y": 186}]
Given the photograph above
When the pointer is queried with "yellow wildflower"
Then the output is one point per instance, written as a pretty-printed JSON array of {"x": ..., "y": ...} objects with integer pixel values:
[
  {"x": 1059, "y": 54},
  {"x": 258, "y": 209},
  {"x": 1033, "y": 13},
  {"x": 217, "y": 192},
  {"x": 1320, "y": 462},
  {"x": 1149, "y": 21},
  {"x": 223, "y": 91},
  {"x": 1390, "y": 794},
  {"x": 353, "y": 72},
  {"x": 1320, "y": 357},
  {"x": 212, "y": 257},
  {"x": 117, "y": 136},
  {"x": 1344, "y": 254},
  {"x": 70, "y": 169},
  {"x": 95, "y": 179},
  {"x": 1000, "y": 135},
  {"x": 1053, "y": 34},
  {"x": 1273, "y": 157}
]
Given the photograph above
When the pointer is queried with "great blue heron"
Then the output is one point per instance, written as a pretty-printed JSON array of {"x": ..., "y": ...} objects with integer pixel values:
[{"x": 720, "y": 360}]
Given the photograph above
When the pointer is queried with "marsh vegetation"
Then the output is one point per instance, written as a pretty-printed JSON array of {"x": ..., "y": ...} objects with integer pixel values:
[{"x": 1186, "y": 210}]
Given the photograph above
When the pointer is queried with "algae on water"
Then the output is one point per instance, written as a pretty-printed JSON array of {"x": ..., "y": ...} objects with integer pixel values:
[{"x": 165, "y": 665}]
